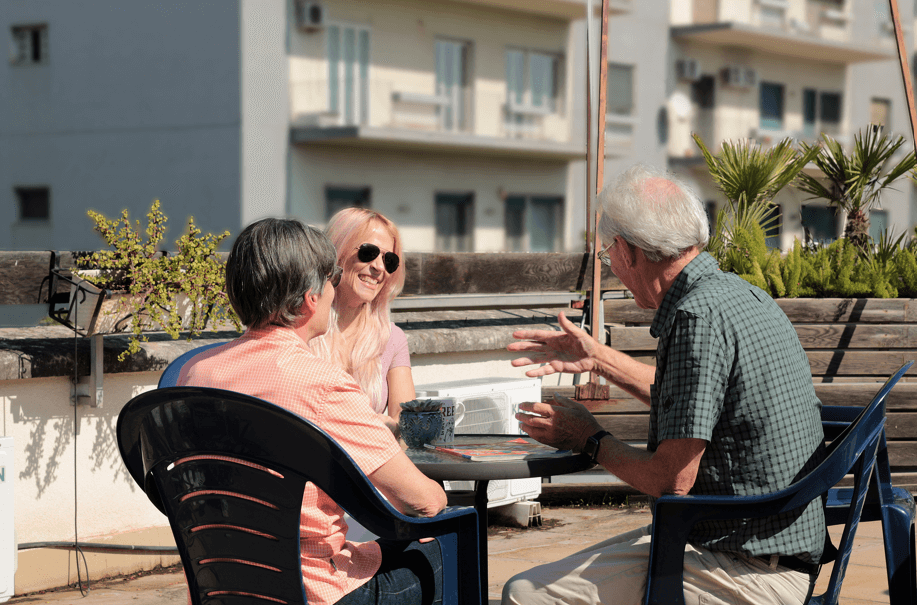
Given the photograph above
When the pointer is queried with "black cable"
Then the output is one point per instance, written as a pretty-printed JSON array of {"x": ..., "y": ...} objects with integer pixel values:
[
  {"x": 76, "y": 420},
  {"x": 96, "y": 547}
]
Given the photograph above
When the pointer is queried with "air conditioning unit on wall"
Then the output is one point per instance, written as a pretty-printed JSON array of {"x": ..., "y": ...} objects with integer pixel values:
[
  {"x": 310, "y": 15},
  {"x": 8, "y": 544},
  {"x": 738, "y": 76},
  {"x": 490, "y": 407},
  {"x": 687, "y": 69}
]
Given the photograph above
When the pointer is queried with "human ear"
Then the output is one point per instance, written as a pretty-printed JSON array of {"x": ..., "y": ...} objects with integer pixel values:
[{"x": 310, "y": 301}]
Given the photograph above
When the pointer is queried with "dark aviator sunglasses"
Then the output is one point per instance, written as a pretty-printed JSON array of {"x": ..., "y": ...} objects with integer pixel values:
[{"x": 367, "y": 253}]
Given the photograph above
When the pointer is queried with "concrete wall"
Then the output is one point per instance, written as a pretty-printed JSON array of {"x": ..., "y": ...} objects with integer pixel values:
[{"x": 137, "y": 101}]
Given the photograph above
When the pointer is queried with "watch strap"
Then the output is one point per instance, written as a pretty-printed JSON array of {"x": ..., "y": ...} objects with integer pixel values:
[{"x": 593, "y": 444}]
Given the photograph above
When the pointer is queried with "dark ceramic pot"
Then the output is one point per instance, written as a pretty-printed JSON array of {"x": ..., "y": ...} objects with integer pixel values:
[{"x": 418, "y": 428}]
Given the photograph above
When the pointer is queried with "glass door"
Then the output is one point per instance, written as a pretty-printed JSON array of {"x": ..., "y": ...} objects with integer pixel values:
[
  {"x": 348, "y": 73},
  {"x": 451, "y": 81}
]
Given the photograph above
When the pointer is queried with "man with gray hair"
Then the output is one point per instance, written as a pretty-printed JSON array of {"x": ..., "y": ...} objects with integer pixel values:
[
  {"x": 280, "y": 279},
  {"x": 732, "y": 412}
]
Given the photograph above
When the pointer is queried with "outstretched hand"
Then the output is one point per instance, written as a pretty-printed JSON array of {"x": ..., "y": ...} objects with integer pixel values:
[
  {"x": 570, "y": 351},
  {"x": 565, "y": 424}
]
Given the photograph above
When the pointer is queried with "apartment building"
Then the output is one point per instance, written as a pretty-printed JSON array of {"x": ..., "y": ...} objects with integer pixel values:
[
  {"x": 462, "y": 120},
  {"x": 771, "y": 69}
]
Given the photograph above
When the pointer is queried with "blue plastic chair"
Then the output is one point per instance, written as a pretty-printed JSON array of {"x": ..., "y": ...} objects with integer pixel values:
[
  {"x": 893, "y": 505},
  {"x": 236, "y": 522},
  {"x": 853, "y": 451},
  {"x": 169, "y": 377}
]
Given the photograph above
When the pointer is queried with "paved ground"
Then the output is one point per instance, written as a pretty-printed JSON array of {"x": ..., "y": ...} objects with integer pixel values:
[{"x": 565, "y": 531}]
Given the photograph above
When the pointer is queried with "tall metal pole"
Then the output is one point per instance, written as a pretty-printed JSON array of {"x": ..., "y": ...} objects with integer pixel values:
[
  {"x": 905, "y": 70},
  {"x": 597, "y": 323}
]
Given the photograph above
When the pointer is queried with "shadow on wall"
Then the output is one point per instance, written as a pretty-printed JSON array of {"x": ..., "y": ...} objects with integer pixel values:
[{"x": 43, "y": 419}]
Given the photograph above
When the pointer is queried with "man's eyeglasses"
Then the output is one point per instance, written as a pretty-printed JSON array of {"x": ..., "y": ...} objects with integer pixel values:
[
  {"x": 603, "y": 253},
  {"x": 335, "y": 277},
  {"x": 367, "y": 253}
]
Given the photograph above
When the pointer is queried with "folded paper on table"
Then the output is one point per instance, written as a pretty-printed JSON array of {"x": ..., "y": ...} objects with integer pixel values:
[{"x": 513, "y": 449}]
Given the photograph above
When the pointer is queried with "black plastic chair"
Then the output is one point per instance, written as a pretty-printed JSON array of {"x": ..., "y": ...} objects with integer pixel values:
[
  {"x": 893, "y": 505},
  {"x": 169, "y": 377},
  {"x": 236, "y": 522},
  {"x": 853, "y": 451}
]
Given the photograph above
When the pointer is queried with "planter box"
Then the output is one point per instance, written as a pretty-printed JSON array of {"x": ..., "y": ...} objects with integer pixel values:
[{"x": 97, "y": 311}]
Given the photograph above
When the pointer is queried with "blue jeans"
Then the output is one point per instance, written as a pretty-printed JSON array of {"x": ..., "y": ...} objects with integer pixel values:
[{"x": 411, "y": 574}]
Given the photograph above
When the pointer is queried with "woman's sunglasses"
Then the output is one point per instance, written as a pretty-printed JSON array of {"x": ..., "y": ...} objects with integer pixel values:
[
  {"x": 367, "y": 253},
  {"x": 335, "y": 277}
]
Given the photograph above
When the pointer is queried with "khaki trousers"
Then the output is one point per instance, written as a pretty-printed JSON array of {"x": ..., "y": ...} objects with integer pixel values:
[{"x": 614, "y": 572}]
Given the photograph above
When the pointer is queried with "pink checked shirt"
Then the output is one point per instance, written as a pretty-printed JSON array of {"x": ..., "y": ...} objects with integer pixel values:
[{"x": 274, "y": 364}]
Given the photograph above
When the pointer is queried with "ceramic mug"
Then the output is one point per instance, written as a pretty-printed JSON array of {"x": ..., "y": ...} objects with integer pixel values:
[{"x": 452, "y": 411}]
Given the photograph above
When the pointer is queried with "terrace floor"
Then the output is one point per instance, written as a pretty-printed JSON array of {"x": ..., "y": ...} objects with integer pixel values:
[{"x": 564, "y": 531}]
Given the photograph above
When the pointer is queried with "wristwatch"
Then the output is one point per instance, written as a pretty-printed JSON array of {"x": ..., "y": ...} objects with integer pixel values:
[{"x": 591, "y": 448}]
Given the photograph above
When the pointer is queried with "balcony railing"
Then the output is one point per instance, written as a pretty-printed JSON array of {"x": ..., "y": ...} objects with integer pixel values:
[{"x": 393, "y": 105}]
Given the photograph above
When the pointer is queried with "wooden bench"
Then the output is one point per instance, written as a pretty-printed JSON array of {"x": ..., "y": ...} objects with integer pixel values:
[{"x": 853, "y": 345}]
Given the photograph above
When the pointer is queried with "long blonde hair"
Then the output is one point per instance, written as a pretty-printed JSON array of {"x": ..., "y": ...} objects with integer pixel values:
[{"x": 363, "y": 360}]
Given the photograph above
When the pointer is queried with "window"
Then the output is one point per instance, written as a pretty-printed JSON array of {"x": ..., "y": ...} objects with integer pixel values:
[
  {"x": 771, "y": 106},
  {"x": 619, "y": 107},
  {"x": 532, "y": 81},
  {"x": 773, "y": 227},
  {"x": 821, "y": 113},
  {"x": 534, "y": 223},
  {"x": 338, "y": 198},
  {"x": 34, "y": 203},
  {"x": 703, "y": 92},
  {"x": 30, "y": 44},
  {"x": 880, "y": 111},
  {"x": 878, "y": 224},
  {"x": 348, "y": 73},
  {"x": 710, "y": 207},
  {"x": 454, "y": 222},
  {"x": 819, "y": 223},
  {"x": 452, "y": 65},
  {"x": 883, "y": 17}
]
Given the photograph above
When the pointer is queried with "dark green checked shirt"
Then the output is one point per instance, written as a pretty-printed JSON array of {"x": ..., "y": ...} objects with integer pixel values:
[{"x": 730, "y": 370}]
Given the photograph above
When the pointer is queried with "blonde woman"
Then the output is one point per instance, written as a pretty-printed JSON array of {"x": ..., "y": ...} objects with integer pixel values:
[{"x": 361, "y": 338}]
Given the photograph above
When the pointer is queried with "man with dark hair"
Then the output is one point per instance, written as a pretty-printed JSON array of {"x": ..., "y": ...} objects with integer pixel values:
[
  {"x": 732, "y": 412},
  {"x": 280, "y": 278}
]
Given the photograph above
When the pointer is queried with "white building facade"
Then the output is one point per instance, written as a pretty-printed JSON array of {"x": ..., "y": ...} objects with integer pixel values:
[{"x": 462, "y": 120}]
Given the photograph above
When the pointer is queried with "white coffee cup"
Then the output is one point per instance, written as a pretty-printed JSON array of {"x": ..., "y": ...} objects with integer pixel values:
[{"x": 452, "y": 412}]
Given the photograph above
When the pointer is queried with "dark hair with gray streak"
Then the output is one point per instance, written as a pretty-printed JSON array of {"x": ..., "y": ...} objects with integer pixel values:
[
  {"x": 273, "y": 264},
  {"x": 654, "y": 211}
]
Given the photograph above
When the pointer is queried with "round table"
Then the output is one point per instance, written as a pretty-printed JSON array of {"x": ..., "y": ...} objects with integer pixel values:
[{"x": 441, "y": 467}]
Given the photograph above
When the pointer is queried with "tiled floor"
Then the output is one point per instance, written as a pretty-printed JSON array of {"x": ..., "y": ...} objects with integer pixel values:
[{"x": 564, "y": 532}]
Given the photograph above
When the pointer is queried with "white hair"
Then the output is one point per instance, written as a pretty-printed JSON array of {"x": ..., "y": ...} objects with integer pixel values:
[{"x": 663, "y": 219}]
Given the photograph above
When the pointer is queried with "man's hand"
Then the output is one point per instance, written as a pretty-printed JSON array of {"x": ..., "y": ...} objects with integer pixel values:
[
  {"x": 571, "y": 351},
  {"x": 565, "y": 424}
]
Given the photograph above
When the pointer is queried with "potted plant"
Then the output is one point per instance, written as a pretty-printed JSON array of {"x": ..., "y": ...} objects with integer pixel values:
[
  {"x": 854, "y": 182},
  {"x": 150, "y": 289}
]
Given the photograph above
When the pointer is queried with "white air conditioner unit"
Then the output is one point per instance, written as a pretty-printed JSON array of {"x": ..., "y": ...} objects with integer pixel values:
[
  {"x": 8, "y": 544},
  {"x": 310, "y": 15},
  {"x": 738, "y": 76},
  {"x": 687, "y": 69},
  {"x": 490, "y": 407}
]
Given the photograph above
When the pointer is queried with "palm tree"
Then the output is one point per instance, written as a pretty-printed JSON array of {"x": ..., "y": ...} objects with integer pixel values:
[
  {"x": 855, "y": 182},
  {"x": 750, "y": 178}
]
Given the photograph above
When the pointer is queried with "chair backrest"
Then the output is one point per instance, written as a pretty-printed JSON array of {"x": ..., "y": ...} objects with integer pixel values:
[
  {"x": 853, "y": 451},
  {"x": 169, "y": 377},
  {"x": 229, "y": 471}
]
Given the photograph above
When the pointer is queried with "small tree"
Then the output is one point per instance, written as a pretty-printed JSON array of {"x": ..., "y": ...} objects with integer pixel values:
[
  {"x": 750, "y": 178},
  {"x": 854, "y": 182}
]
